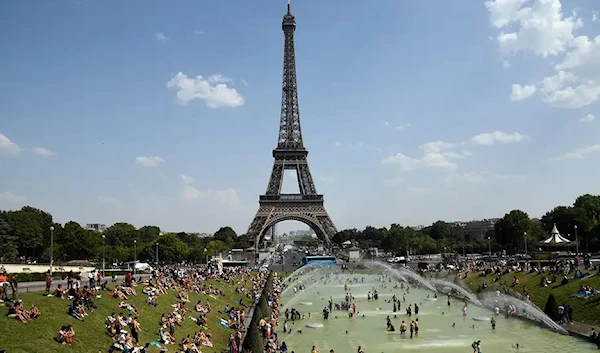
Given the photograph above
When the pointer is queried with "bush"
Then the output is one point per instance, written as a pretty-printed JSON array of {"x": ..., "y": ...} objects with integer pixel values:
[{"x": 551, "y": 308}]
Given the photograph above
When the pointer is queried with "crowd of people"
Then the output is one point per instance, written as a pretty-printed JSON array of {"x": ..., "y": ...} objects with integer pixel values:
[{"x": 123, "y": 326}]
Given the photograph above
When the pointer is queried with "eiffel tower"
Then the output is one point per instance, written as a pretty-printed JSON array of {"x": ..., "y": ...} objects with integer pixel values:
[{"x": 290, "y": 154}]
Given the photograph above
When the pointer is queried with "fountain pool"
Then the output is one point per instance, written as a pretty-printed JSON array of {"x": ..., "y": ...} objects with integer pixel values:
[{"x": 437, "y": 332}]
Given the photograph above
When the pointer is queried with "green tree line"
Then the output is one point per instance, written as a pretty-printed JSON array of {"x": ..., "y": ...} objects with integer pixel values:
[
  {"x": 510, "y": 233},
  {"x": 26, "y": 234}
]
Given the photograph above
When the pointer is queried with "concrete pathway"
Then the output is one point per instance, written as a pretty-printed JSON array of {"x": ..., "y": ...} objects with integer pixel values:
[
  {"x": 39, "y": 286},
  {"x": 578, "y": 329}
]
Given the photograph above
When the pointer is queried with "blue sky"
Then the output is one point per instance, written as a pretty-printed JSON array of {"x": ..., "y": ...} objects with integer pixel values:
[{"x": 412, "y": 111}]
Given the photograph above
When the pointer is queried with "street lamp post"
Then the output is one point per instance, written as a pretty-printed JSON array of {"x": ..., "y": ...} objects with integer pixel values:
[
  {"x": 576, "y": 244},
  {"x": 490, "y": 250},
  {"x": 134, "y": 256},
  {"x": 525, "y": 234},
  {"x": 156, "y": 254},
  {"x": 51, "y": 249},
  {"x": 206, "y": 253},
  {"x": 103, "y": 254}
]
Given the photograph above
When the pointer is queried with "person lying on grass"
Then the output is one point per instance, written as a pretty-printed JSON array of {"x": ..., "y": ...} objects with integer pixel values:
[{"x": 130, "y": 307}]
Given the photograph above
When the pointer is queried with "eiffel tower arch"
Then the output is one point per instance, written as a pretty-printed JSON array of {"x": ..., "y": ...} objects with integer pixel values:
[{"x": 290, "y": 154}]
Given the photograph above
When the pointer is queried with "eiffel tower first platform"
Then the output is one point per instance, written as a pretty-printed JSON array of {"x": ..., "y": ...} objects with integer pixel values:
[{"x": 290, "y": 154}]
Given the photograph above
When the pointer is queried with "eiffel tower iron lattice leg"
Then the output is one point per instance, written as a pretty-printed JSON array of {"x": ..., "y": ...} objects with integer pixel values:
[{"x": 307, "y": 206}]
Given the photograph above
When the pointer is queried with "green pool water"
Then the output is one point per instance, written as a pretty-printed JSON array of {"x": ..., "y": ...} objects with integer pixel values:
[{"x": 437, "y": 334}]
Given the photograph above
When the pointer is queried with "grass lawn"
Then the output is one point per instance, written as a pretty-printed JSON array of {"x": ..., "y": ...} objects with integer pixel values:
[
  {"x": 584, "y": 310},
  {"x": 90, "y": 335}
]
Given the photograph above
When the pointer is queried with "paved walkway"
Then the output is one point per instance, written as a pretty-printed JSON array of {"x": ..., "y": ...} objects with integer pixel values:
[
  {"x": 578, "y": 329},
  {"x": 39, "y": 286}
]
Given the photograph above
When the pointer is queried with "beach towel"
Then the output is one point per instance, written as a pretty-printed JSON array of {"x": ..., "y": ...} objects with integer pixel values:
[{"x": 582, "y": 295}]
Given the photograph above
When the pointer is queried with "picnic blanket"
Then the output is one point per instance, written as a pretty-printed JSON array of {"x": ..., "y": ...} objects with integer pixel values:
[{"x": 582, "y": 295}]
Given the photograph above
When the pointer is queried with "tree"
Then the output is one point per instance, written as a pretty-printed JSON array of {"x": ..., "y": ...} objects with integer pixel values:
[
  {"x": 242, "y": 242},
  {"x": 551, "y": 308},
  {"x": 510, "y": 230},
  {"x": 439, "y": 230},
  {"x": 78, "y": 243},
  {"x": 31, "y": 227},
  {"x": 147, "y": 233},
  {"x": 170, "y": 249},
  {"x": 216, "y": 246},
  {"x": 8, "y": 243},
  {"x": 226, "y": 234},
  {"x": 121, "y": 234}
]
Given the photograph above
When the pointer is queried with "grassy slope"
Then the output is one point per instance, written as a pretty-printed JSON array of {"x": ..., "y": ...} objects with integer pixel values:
[
  {"x": 584, "y": 310},
  {"x": 90, "y": 335}
]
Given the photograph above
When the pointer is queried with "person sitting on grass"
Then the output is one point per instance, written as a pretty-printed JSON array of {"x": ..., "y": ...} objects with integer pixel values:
[
  {"x": 118, "y": 293},
  {"x": 151, "y": 300},
  {"x": 74, "y": 312},
  {"x": 59, "y": 292},
  {"x": 21, "y": 313},
  {"x": 66, "y": 335},
  {"x": 184, "y": 296},
  {"x": 34, "y": 312},
  {"x": 165, "y": 337},
  {"x": 187, "y": 346}
]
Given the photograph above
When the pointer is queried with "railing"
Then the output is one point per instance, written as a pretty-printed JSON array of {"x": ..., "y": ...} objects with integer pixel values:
[{"x": 291, "y": 197}]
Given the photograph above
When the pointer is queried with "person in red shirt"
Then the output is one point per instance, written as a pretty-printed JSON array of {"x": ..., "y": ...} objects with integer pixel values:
[{"x": 128, "y": 279}]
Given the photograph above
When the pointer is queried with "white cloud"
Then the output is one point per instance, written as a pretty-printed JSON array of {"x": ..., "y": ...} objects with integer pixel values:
[
  {"x": 228, "y": 197},
  {"x": 494, "y": 137},
  {"x": 328, "y": 179},
  {"x": 152, "y": 161},
  {"x": 109, "y": 201},
  {"x": 435, "y": 146},
  {"x": 198, "y": 32},
  {"x": 401, "y": 127},
  {"x": 213, "y": 90},
  {"x": 186, "y": 179},
  {"x": 542, "y": 28},
  {"x": 44, "y": 152},
  {"x": 244, "y": 82},
  {"x": 337, "y": 143},
  {"x": 7, "y": 147},
  {"x": 580, "y": 153},
  {"x": 595, "y": 16},
  {"x": 356, "y": 145},
  {"x": 435, "y": 155},
  {"x": 161, "y": 37},
  {"x": 519, "y": 92},
  {"x": 12, "y": 198},
  {"x": 588, "y": 118},
  {"x": 536, "y": 26}
]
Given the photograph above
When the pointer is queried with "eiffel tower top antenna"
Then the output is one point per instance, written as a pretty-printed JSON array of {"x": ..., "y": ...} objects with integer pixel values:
[{"x": 290, "y": 132}]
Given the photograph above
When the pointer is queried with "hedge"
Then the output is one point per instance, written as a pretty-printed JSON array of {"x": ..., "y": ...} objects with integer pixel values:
[{"x": 253, "y": 339}]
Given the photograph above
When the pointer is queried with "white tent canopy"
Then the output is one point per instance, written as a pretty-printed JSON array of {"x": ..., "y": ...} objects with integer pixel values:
[{"x": 555, "y": 238}]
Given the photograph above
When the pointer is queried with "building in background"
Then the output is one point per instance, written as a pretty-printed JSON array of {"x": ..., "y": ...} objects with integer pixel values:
[{"x": 96, "y": 227}]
